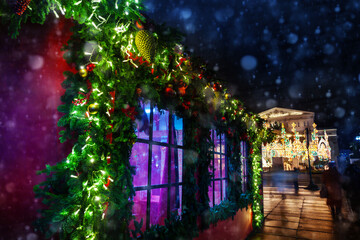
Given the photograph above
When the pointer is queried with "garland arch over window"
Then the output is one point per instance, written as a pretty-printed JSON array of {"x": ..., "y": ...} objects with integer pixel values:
[{"x": 128, "y": 58}]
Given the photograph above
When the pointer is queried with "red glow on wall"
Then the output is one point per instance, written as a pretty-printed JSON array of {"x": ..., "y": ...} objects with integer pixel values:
[
  {"x": 31, "y": 69},
  {"x": 237, "y": 228}
]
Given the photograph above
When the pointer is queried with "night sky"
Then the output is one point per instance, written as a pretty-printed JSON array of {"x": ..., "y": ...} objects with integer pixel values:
[{"x": 294, "y": 54}]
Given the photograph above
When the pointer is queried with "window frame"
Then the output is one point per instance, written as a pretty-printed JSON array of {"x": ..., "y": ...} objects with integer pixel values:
[
  {"x": 170, "y": 146},
  {"x": 221, "y": 178}
]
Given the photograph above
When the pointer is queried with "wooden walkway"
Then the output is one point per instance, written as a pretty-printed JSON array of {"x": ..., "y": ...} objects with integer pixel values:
[{"x": 296, "y": 216}]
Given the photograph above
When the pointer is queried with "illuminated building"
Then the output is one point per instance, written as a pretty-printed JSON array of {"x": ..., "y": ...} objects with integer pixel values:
[{"x": 289, "y": 149}]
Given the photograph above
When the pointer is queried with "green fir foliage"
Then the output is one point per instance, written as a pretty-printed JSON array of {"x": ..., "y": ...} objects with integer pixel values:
[{"x": 89, "y": 194}]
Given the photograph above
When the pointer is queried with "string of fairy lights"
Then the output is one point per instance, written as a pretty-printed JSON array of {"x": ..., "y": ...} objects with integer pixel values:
[
  {"x": 94, "y": 104},
  {"x": 121, "y": 34}
]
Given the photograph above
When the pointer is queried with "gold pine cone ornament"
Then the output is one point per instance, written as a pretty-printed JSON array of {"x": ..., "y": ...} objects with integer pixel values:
[{"x": 146, "y": 44}]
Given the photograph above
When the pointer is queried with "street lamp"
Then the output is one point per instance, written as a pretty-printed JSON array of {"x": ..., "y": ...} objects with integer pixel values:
[{"x": 311, "y": 186}]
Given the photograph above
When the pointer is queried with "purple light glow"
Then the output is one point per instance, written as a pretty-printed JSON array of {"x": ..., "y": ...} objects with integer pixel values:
[
  {"x": 160, "y": 126},
  {"x": 139, "y": 209},
  {"x": 158, "y": 206},
  {"x": 159, "y": 165},
  {"x": 176, "y": 165},
  {"x": 217, "y": 165},
  {"x": 215, "y": 189},
  {"x": 31, "y": 70},
  {"x": 139, "y": 158},
  {"x": 158, "y": 198},
  {"x": 223, "y": 166}
]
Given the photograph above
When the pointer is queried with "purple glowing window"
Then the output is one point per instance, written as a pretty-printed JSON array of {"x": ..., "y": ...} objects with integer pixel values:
[
  {"x": 177, "y": 131},
  {"x": 139, "y": 209},
  {"x": 176, "y": 165},
  {"x": 223, "y": 166},
  {"x": 159, "y": 165},
  {"x": 223, "y": 143},
  {"x": 217, "y": 141},
  {"x": 160, "y": 126},
  {"x": 158, "y": 206},
  {"x": 217, "y": 192},
  {"x": 175, "y": 199},
  {"x": 158, "y": 160},
  {"x": 218, "y": 165},
  {"x": 224, "y": 185},
  {"x": 143, "y": 121},
  {"x": 139, "y": 159}
]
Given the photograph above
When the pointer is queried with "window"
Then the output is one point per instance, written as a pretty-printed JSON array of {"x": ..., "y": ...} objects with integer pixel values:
[
  {"x": 158, "y": 158},
  {"x": 218, "y": 167}
]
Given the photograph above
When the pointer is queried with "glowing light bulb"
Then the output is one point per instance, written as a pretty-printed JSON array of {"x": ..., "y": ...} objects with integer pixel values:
[{"x": 75, "y": 213}]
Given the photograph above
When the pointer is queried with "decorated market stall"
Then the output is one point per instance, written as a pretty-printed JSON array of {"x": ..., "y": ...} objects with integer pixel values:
[{"x": 161, "y": 149}]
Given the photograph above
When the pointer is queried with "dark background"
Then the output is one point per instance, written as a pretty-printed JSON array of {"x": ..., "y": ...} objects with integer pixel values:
[{"x": 294, "y": 54}]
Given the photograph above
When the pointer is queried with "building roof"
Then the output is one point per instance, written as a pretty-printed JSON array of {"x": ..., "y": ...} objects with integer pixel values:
[{"x": 278, "y": 112}]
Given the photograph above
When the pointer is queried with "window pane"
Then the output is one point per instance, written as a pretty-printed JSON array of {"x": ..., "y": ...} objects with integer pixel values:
[
  {"x": 217, "y": 165},
  {"x": 139, "y": 159},
  {"x": 223, "y": 165},
  {"x": 158, "y": 206},
  {"x": 176, "y": 199},
  {"x": 160, "y": 126},
  {"x": 217, "y": 192},
  {"x": 143, "y": 122},
  {"x": 176, "y": 165},
  {"x": 216, "y": 142},
  {"x": 159, "y": 165},
  {"x": 224, "y": 189},
  {"x": 177, "y": 134},
  {"x": 139, "y": 209},
  {"x": 243, "y": 148},
  {"x": 223, "y": 143},
  {"x": 211, "y": 168},
  {"x": 210, "y": 194}
]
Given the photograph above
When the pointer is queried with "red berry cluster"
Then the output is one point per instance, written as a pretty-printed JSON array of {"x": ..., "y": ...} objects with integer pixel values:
[
  {"x": 90, "y": 67},
  {"x": 21, "y": 6}
]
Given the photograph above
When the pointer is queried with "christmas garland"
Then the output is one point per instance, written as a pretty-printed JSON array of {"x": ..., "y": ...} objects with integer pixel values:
[{"x": 128, "y": 58}]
